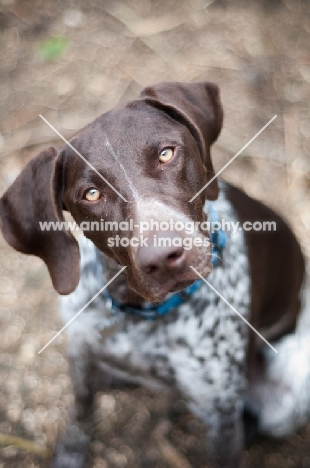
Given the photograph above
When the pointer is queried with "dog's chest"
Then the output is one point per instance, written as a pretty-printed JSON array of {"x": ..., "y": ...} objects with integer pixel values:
[
  {"x": 202, "y": 343},
  {"x": 197, "y": 342}
]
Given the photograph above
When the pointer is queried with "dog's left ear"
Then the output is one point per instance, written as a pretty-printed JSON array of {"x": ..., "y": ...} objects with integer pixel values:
[
  {"x": 198, "y": 106},
  {"x": 34, "y": 201}
]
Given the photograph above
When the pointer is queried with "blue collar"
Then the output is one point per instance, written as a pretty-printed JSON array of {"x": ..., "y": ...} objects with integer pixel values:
[{"x": 155, "y": 311}]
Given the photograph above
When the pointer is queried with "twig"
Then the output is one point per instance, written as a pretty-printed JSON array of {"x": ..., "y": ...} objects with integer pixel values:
[
  {"x": 31, "y": 144},
  {"x": 174, "y": 458},
  {"x": 24, "y": 444},
  {"x": 232, "y": 147},
  {"x": 291, "y": 142}
]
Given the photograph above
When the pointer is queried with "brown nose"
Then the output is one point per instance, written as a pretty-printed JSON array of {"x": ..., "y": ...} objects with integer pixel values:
[{"x": 161, "y": 256}]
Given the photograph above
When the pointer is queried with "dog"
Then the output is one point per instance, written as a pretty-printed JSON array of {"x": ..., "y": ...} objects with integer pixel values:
[{"x": 169, "y": 318}]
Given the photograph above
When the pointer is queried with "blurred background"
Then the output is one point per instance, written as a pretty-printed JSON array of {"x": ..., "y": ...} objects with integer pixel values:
[{"x": 72, "y": 61}]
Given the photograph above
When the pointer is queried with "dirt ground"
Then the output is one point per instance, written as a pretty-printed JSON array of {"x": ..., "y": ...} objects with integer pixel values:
[{"x": 71, "y": 61}]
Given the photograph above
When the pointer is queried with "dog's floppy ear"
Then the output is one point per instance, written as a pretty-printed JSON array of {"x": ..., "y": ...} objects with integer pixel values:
[
  {"x": 198, "y": 106},
  {"x": 32, "y": 199}
]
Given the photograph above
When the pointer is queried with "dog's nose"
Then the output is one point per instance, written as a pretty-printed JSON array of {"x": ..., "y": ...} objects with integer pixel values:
[{"x": 164, "y": 254}]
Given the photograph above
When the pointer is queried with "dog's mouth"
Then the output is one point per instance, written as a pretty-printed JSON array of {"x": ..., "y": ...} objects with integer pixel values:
[
  {"x": 158, "y": 290},
  {"x": 179, "y": 286}
]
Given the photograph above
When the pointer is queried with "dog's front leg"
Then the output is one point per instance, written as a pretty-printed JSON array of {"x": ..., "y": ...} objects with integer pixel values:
[
  {"x": 217, "y": 399},
  {"x": 72, "y": 446},
  {"x": 225, "y": 434}
]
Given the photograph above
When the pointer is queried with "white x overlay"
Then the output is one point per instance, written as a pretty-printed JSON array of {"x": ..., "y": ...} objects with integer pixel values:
[
  {"x": 233, "y": 158},
  {"x": 207, "y": 282},
  {"x": 81, "y": 156},
  {"x": 232, "y": 308},
  {"x": 80, "y": 311}
]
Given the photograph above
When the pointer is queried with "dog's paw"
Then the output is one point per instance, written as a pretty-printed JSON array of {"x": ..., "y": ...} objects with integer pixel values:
[
  {"x": 251, "y": 425},
  {"x": 70, "y": 460},
  {"x": 72, "y": 448}
]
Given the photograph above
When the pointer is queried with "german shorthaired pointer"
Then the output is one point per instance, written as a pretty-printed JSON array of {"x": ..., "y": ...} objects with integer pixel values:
[{"x": 156, "y": 324}]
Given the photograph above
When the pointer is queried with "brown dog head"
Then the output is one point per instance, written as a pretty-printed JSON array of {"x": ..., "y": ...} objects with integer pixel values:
[{"x": 154, "y": 153}]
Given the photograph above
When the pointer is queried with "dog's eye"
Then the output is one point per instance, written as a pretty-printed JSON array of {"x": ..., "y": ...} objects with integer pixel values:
[
  {"x": 165, "y": 155},
  {"x": 92, "y": 194}
]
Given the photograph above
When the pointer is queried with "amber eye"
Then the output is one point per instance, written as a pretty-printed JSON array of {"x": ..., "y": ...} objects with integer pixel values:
[
  {"x": 92, "y": 194},
  {"x": 165, "y": 155}
]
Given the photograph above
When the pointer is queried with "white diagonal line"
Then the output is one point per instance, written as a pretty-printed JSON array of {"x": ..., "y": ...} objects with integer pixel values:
[
  {"x": 81, "y": 156},
  {"x": 232, "y": 308},
  {"x": 233, "y": 158},
  {"x": 80, "y": 311}
]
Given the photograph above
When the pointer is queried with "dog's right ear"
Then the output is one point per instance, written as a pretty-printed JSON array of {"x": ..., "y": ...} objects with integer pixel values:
[{"x": 34, "y": 198}]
